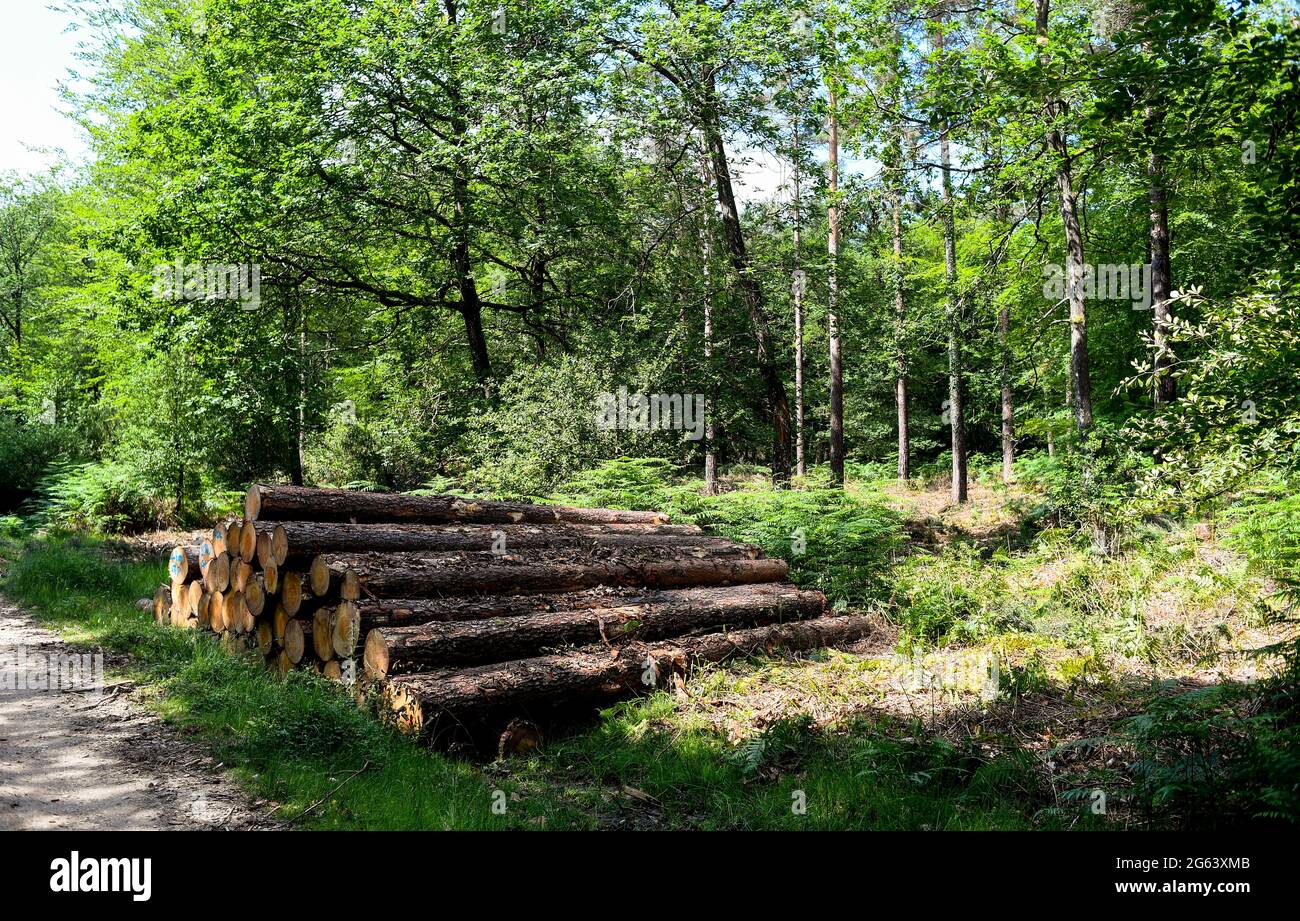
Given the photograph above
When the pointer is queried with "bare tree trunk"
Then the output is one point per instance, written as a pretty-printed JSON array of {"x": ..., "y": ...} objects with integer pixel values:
[
  {"x": 470, "y": 306},
  {"x": 751, "y": 293},
  {"x": 1165, "y": 388},
  {"x": 833, "y": 295},
  {"x": 300, "y": 416},
  {"x": 900, "y": 320},
  {"x": 710, "y": 430},
  {"x": 1080, "y": 373},
  {"x": 797, "y": 289},
  {"x": 956, "y": 413},
  {"x": 1008, "y": 418}
]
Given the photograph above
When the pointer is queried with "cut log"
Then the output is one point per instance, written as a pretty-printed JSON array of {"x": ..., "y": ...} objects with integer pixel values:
[
  {"x": 206, "y": 553},
  {"x": 406, "y": 650},
  {"x": 176, "y": 609},
  {"x": 240, "y": 574},
  {"x": 291, "y": 591},
  {"x": 194, "y": 592},
  {"x": 346, "y": 630},
  {"x": 255, "y": 596},
  {"x": 279, "y": 621},
  {"x": 322, "y": 634},
  {"x": 236, "y": 613},
  {"x": 474, "y": 694},
  {"x": 162, "y": 604},
  {"x": 518, "y": 738},
  {"x": 279, "y": 545},
  {"x": 295, "y": 639},
  {"x": 414, "y": 576},
  {"x": 205, "y": 611},
  {"x": 282, "y": 663},
  {"x": 304, "y": 540},
  {"x": 271, "y": 579},
  {"x": 183, "y": 565},
  {"x": 264, "y": 638},
  {"x": 217, "y": 576},
  {"x": 265, "y": 553},
  {"x": 217, "y": 612},
  {"x": 248, "y": 542},
  {"x": 301, "y": 503},
  {"x": 405, "y": 612},
  {"x": 232, "y": 529}
]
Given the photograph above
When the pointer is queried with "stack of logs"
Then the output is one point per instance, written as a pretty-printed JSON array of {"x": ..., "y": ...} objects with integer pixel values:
[{"x": 456, "y": 612}]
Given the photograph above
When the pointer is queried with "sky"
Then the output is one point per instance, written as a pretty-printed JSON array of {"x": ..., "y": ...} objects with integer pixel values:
[
  {"x": 35, "y": 54},
  {"x": 37, "y": 50}
]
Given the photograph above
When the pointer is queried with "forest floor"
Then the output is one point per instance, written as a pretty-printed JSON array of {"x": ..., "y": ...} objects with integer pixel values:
[{"x": 994, "y": 693}]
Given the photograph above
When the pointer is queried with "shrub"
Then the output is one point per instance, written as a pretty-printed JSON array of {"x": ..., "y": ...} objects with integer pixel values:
[
  {"x": 26, "y": 454},
  {"x": 105, "y": 496}
]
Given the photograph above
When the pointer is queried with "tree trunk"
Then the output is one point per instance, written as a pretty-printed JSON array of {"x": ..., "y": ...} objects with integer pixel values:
[
  {"x": 406, "y": 612},
  {"x": 183, "y": 564},
  {"x": 1008, "y": 419},
  {"x": 833, "y": 296},
  {"x": 302, "y": 503},
  {"x": 330, "y": 571},
  {"x": 1080, "y": 373},
  {"x": 798, "y": 283},
  {"x": 305, "y": 540},
  {"x": 1165, "y": 389},
  {"x": 406, "y": 650},
  {"x": 900, "y": 354},
  {"x": 412, "y": 576},
  {"x": 710, "y": 402},
  {"x": 300, "y": 414},
  {"x": 462, "y": 263},
  {"x": 751, "y": 293},
  {"x": 956, "y": 410},
  {"x": 472, "y": 695}
]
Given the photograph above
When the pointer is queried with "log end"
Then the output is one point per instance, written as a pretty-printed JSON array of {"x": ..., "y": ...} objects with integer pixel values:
[
  {"x": 178, "y": 564},
  {"x": 322, "y": 634},
  {"x": 253, "y": 502},
  {"x": 346, "y": 627},
  {"x": 520, "y": 737},
  {"x": 248, "y": 542},
  {"x": 291, "y": 591},
  {"x": 265, "y": 552},
  {"x": 318, "y": 575},
  {"x": 279, "y": 545},
  {"x": 376, "y": 653},
  {"x": 295, "y": 642}
]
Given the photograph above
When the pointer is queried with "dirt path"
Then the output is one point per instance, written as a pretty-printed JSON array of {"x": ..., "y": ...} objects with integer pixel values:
[{"x": 81, "y": 760}]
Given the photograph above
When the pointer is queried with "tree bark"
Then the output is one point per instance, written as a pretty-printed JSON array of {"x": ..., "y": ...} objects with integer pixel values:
[
  {"x": 798, "y": 283},
  {"x": 183, "y": 564},
  {"x": 1008, "y": 418},
  {"x": 900, "y": 321},
  {"x": 956, "y": 409},
  {"x": 751, "y": 293},
  {"x": 833, "y": 297},
  {"x": 1165, "y": 389},
  {"x": 406, "y": 612},
  {"x": 1080, "y": 372},
  {"x": 471, "y": 695},
  {"x": 407, "y": 650},
  {"x": 462, "y": 263},
  {"x": 305, "y": 540},
  {"x": 710, "y": 401},
  {"x": 300, "y": 414},
  {"x": 301, "y": 503},
  {"x": 413, "y": 576}
]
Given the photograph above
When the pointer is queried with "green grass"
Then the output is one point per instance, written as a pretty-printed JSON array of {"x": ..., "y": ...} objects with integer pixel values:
[{"x": 295, "y": 741}]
